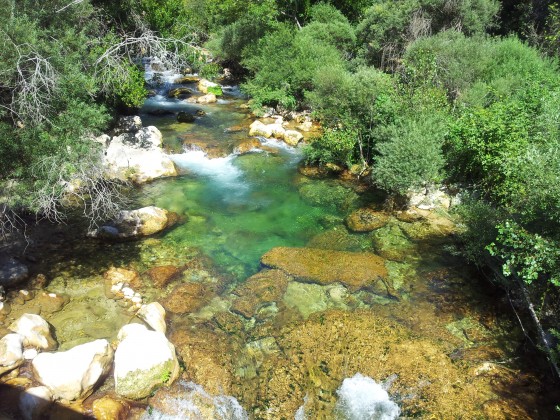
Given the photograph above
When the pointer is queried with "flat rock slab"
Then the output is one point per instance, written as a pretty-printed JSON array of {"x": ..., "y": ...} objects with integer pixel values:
[{"x": 356, "y": 270}]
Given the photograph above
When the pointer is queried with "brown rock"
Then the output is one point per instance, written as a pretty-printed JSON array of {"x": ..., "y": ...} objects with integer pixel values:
[
  {"x": 187, "y": 297},
  {"x": 265, "y": 287},
  {"x": 356, "y": 270},
  {"x": 107, "y": 408},
  {"x": 247, "y": 146},
  {"x": 39, "y": 282},
  {"x": 177, "y": 92},
  {"x": 208, "y": 356},
  {"x": 317, "y": 172},
  {"x": 162, "y": 275},
  {"x": 366, "y": 220},
  {"x": 186, "y": 80}
]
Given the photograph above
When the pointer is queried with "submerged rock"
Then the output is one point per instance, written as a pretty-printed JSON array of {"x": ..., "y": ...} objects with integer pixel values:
[
  {"x": 144, "y": 361},
  {"x": 12, "y": 272},
  {"x": 356, "y": 270},
  {"x": 161, "y": 276},
  {"x": 186, "y": 298},
  {"x": 11, "y": 352},
  {"x": 134, "y": 224},
  {"x": 184, "y": 117},
  {"x": 259, "y": 290},
  {"x": 366, "y": 220},
  {"x": 35, "y": 332},
  {"x": 72, "y": 374}
]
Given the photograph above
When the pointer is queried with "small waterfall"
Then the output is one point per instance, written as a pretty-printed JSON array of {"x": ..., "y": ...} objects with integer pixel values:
[
  {"x": 195, "y": 403},
  {"x": 226, "y": 177},
  {"x": 361, "y": 398}
]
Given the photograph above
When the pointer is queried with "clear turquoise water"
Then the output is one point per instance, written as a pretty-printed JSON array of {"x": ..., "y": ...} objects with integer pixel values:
[{"x": 238, "y": 207}]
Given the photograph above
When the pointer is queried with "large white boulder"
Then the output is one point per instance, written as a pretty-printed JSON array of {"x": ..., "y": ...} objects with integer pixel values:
[
  {"x": 34, "y": 401},
  {"x": 144, "y": 361},
  {"x": 35, "y": 332},
  {"x": 11, "y": 352},
  {"x": 131, "y": 224},
  {"x": 138, "y": 157},
  {"x": 259, "y": 129},
  {"x": 72, "y": 374},
  {"x": 154, "y": 315}
]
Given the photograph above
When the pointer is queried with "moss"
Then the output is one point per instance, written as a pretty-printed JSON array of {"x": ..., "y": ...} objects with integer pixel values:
[
  {"x": 141, "y": 383},
  {"x": 216, "y": 90}
]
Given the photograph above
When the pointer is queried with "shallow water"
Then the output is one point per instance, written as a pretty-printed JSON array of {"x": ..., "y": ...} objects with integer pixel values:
[{"x": 280, "y": 346}]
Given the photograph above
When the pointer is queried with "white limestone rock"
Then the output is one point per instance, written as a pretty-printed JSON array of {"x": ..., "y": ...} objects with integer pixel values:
[
  {"x": 34, "y": 401},
  {"x": 154, "y": 315},
  {"x": 144, "y": 361},
  {"x": 292, "y": 137},
  {"x": 131, "y": 224},
  {"x": 209, "y": 98},
  {"x": 259, "y": 129},
  {"x": 11, "y": 352},
  {"x": 72, "y": 374},
  {"x": 35, "y": 332},
  {"x": 138, "y": 157}
]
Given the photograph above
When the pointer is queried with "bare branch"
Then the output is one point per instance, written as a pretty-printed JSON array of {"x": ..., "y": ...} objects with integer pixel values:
[
  {"x": 85, "y": 187},
  {"x": 35, "y": 89},
  {"x": 69, "y": 5}
]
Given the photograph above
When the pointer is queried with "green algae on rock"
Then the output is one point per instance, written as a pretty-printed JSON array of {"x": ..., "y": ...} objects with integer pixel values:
[
  {"x": 261, "y": 289},
  {"x": 356, "y": 270},
  {"x": 366, "y": 220}
]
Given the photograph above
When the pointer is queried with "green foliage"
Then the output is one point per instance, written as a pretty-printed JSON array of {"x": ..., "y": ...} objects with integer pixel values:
[
  {"x": 477, "y": 71},
  {"x": 359, "y": 102},
  {"x": 526, "y": 255},
  {"x": 132, "y": 91},
  {"x": 486, "y": 146},
  {"x": 232, "y": 39},
  {"x": 479, "y": 219},
  {"x": 284, "y": 63},
  {"x": 387, "y": 26},
  {"x": 411, "y": 154},
  {"x": 334, "y": 146}
]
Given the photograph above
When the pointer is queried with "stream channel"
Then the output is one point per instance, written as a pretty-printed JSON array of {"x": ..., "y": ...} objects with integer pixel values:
[{"x": 265, "y": 343}]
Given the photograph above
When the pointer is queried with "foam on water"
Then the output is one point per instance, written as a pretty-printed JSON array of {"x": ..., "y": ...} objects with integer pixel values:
[
  {"x": 196, "y": 403},
  {"x": 361, "y": 398},
  {"x": 220, "y": 171}
]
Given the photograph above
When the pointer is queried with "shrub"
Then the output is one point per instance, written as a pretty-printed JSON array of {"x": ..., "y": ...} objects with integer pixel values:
[{"x": 411, "y": 155}]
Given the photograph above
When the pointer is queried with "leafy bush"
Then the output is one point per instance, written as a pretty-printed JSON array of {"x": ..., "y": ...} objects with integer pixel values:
[
  {"x": 334, "y": 146},
  {"x": 387, "y": 27},
  {"x": 526, "y": 255},
  {"x": 411, "y": 155},
  {"x": 477, "y": 71}
]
